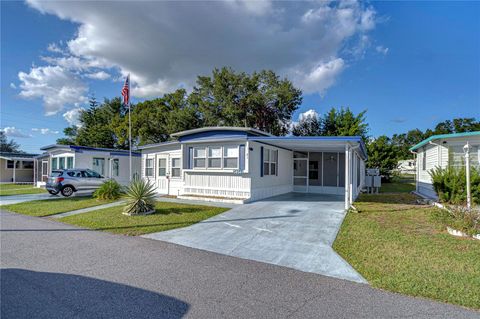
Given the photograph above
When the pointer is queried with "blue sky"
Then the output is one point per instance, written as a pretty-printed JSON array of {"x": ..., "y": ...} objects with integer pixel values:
[{"x": 409, "y": 64}]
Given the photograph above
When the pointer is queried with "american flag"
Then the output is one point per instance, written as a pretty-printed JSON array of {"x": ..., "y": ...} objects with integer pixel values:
[{"x": 126, "y": 91}]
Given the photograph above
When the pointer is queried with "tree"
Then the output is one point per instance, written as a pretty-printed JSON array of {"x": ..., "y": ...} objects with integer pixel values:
[
  {"x": 8, "y": 146},
  {"x": 343, "y": 122},
  {"x": 70, "y": 133},
  {"x": 260, "y": 100},
  {"x": 382, "y": 154},
  {"x": 309, "y": 125}
]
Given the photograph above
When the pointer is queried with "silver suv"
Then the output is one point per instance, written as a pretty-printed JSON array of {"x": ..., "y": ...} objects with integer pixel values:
[{"x": 69, "y": 181}]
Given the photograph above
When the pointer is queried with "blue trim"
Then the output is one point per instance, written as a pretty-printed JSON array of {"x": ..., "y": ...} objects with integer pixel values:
[
  {"x": 272, "y": 145},
  {"x": 261, "y": 161},
  {"x": 125, "y": 154},
  {"x": 241, "y": 160},
  {"x": 443, "y": 136}
]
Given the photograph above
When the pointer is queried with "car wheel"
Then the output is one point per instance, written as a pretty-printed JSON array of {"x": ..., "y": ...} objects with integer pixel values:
[
  {"x": 53, "y": 193},
  {"x": 67, "y": 191}
]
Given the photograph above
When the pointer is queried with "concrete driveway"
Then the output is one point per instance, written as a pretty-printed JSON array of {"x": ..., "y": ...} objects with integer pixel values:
[{"x": 293, "y": 230}]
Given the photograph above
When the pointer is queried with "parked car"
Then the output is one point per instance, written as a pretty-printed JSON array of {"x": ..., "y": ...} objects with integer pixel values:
[{"x": 68, "y": 181}]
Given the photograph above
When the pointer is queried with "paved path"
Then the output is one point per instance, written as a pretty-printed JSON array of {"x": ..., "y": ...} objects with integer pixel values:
[
  {"x": 293, "y": 230},
  {"x": 53, "y": 270},
  {"x": 194, "y": 202},
  {"x": 88, "y": 209}
]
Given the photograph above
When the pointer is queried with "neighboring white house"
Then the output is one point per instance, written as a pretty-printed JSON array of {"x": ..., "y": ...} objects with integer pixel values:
[
  {"x": 247, "y": 164},
  {"x": 406, "y": 166},
  {"x": 16, "y": 167},
  {"x": 111, "y": 163},
  {"x": 442, "y": 151}
]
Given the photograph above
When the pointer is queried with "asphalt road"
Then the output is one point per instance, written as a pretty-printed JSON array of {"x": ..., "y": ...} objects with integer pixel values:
[{"x": 52, "y": 270}]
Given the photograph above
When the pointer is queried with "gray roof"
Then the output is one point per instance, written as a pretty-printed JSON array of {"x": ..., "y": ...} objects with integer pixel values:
[{"x": 221, "y": 128}]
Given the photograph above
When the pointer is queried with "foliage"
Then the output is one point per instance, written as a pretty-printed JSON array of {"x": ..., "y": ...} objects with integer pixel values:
[
  {"x": 261, "y": 100},
  {"x": 336, "y": 122},
  {"x": 70, "y": 133},
  {"x": 8, "y": 146},
  {"x": 450, "y": 184},
  {"x": 382, "y": 154},
  {"x": 140, "y": 196},
  {"x": 108, "y": 190},
  {"x": 459, "y": 218}
]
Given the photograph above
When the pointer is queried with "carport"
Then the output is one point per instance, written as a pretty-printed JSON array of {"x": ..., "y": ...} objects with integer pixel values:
[
  {"x": 324, "y": 164},
  {"x": 294, "y": 230}
]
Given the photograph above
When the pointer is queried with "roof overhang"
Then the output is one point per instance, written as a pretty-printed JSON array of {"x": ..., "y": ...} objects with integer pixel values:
[
  {"x": 443, "y": 136},
  {"x": 250, "y": 130},
  {"x": 314, "y": 143}
]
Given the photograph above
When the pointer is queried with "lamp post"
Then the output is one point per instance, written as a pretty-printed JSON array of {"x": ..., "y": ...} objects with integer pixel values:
[{"x": 466, "y": 150}]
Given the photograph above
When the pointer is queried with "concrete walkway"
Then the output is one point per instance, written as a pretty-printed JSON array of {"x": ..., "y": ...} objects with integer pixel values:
[
  {"x": 54, "y": 270},
  {"x": 15, "y": 199},
  {"x": 194, "y": 202},
  {"x": 88, "y": 209},
  {"x": 293, "y": 230}
]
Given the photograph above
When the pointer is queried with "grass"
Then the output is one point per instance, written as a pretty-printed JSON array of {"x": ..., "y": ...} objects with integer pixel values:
[
  {"x": 49, "y": 207},
  {"x": 18, "y": 189},
  {"x": 400, "y": 246},
  {"x": 167, "y": 216},
  {"x": 399, "y": 184}
]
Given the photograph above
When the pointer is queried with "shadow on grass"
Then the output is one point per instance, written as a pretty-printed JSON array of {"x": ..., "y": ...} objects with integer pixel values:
[{"x": 32, "y": 294}]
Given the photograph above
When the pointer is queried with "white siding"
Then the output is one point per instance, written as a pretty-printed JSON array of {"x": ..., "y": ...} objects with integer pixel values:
[{"x": 268, "y": 185}]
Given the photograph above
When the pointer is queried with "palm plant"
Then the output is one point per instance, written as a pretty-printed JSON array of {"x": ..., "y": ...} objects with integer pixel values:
[
  {"x": 140, "y": 198},
  {"x": 108, "y": 190}
]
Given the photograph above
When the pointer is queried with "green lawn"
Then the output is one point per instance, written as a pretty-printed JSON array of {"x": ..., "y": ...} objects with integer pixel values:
[
  {"x": 399, "y": 184},
  {"x": 167, "y": 216},
  {"x": 18, "y": 189},
  {"x": 398, "y": 245},
  {"x": 49, "y": 207}
]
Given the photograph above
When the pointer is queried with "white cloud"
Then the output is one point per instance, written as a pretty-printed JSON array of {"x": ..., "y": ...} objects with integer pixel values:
[
  {"x": 381, "y": 49},
  {"x": 15, "y": 132},
  {"x": 310, "y": 113},
  {"x": 55, "y": 85},
  {"x": 320, "y": 77},
  {"x": 100, "y": 75},
  {"x": 72, "y": 116},
  {"x": 45, "y": 131},
  {"x": 176, "y": 41},
  {"x": 54, "y": 48}
]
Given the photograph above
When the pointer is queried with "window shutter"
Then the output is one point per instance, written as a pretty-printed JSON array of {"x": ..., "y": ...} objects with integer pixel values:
[
  {"x": 241, "y": 158},
  {"x": 261, "y": 161},
  {"x": 190, "y": 157}
]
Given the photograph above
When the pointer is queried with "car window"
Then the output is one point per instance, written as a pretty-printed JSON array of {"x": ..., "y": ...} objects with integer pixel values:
[
  {"x": 72, "y": 174},
  {"x": 56, "y": 173},
  {"x": 92, "y": 174}
]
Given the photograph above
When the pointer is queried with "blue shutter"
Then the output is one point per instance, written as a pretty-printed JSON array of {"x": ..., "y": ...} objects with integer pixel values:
[
  {"x": 261, "y": 161},
  {"x": 190, "y": 157},
  {"x": 241, "y": 159}
]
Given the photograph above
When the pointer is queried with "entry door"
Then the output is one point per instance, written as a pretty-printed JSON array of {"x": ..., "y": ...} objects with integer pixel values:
[
  {"x": 44, "y": 171},
  {"x": 161, "y": 174},
  {"x": 300, "y": 174}
]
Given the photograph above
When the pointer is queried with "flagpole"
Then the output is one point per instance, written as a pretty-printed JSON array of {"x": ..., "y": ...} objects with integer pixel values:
[{"x": 129, "y": 130}]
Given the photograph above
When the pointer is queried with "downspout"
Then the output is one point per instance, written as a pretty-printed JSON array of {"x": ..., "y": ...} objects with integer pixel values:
[
  {"x": 415, "y": 157},
  {"x": 352, "y": 172}
]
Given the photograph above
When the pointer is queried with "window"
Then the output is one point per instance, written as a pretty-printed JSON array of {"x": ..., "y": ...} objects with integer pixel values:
[
  {"x": 10, "y": 164},
  {"x": 149, "y": 167},
  {"x": 61, "y": 162},
  {"x": 176, "y": 167},
  {"x": 230, "y": 157},
  {"x": 266, "y": 161},
  {"x": 162, "y": 167},
  {"x": 27, "y": 164},
  {"x": 424, "y": 160},
  {"x": 199, "y": 155},
  {"x": 214, "y": 157},
  {"x": 116, "y": 167},
  {"x": 313, "y": 170},
  {"x": 99, "y": 165},
  {"x": 91, "y": 174},
  {"x": 69, "y": 162},
  {"x": 270, "y": 162},
  {"x": 54, "y": 163}
]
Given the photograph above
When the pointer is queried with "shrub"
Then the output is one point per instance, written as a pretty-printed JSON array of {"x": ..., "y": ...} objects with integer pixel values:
[
  {"x": 459, "y": 218},
  {"x": 140, "y": 196},
  {"x": 450, "y": 184},
  {"x": 108, "y": 190}
]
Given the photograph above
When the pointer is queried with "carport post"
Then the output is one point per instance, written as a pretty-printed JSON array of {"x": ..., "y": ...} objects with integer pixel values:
[
  {"x": 14, "y": 166},
  {"x": 347, "y": 177}
]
